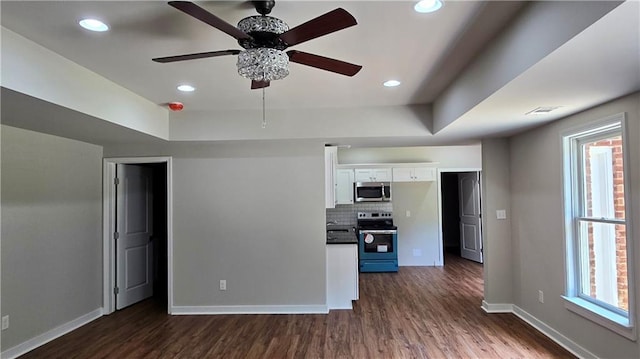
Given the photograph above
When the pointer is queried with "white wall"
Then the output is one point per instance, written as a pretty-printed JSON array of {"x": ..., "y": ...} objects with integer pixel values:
[
  {"x": 397, "y": 121},
  {"x": 51, "y": 232},
  {"x": 249, "y": 213},
  {"x": 41, "y": 73},
  {"x": 537, "y": 227},
  {"x": 469, "y": 156}
]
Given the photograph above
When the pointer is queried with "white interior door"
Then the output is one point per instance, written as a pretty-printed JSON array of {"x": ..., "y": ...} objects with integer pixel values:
[
  {"x": 470, "y": 216},
  {"x": 134, "y": 228}
]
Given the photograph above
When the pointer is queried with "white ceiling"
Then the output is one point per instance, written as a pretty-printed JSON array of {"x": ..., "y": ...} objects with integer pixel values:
[
  {"x": 406, "y": 50},
  {"x": 390, "y": 41},
  {"x": 599, "y": 64}
]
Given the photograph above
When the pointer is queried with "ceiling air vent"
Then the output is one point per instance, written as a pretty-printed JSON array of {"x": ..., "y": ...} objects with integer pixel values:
[{"x": 542, "y": 110}]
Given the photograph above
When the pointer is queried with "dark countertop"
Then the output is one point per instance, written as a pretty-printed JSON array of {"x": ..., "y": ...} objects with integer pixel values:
[{"x": 341, "y": 234}]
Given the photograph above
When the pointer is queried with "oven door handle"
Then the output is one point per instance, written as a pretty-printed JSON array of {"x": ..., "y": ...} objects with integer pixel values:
[{"x": 379, "y": 231}]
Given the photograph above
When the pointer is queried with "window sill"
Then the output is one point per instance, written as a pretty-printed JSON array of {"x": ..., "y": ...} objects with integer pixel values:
[{"x": 606, "y": 318}]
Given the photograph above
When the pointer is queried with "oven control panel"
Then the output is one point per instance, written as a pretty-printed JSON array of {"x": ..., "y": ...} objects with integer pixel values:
[{"x": 375, "y": 215}]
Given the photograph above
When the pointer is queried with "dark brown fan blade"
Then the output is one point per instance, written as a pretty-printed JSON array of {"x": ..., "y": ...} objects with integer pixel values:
[
  {"x": 259, "y": 84},
  {"x": 332, "y": 21},
  {"x": 203, "y": 15},
  {"x": 323, "y": 63},
  {"x": 199, "y": 55}
]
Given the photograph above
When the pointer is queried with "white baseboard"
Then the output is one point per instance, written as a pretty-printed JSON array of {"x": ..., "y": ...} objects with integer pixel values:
[
  {"x": 50, "y": 335},
  {"x": 497, "y": 307},
  {"x": 553, "y": 334},
  {"x": 249, "y": 309}
]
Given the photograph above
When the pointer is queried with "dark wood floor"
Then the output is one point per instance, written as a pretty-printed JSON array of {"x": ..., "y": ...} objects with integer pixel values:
[{"x": 419, "y": 312}]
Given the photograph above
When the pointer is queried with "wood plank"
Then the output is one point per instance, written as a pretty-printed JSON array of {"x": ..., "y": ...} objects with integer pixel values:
[{"x": 419, "y": 312}]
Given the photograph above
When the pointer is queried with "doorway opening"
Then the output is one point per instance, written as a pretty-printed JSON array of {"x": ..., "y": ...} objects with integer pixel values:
[
  {"x": 461, "y": 214},
  {"x": 137, "y": 232}
]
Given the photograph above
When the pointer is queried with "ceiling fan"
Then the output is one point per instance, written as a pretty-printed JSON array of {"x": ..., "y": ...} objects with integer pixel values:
[{"x": 265, "y": 37}]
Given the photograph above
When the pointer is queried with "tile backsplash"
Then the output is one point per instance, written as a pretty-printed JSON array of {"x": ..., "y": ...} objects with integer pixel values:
[{"x": 346, "y": 213}]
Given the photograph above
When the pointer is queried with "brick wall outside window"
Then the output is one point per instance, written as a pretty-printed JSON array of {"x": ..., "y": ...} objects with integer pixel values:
[{"x": 618, "y": 193}]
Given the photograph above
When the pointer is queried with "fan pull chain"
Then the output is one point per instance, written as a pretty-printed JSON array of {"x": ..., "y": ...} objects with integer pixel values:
[{"x": 264, "y": 117}]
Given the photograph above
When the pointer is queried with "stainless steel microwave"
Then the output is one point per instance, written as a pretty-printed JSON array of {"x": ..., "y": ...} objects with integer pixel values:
[{"x": 372, "y": 191}]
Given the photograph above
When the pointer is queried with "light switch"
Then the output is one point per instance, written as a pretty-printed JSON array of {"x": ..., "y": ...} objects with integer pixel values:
[
  {"x": 501, "y": 214},
  {"x": 408, "y": 213}
]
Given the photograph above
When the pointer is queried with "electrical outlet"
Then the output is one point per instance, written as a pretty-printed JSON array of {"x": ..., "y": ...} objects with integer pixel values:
[
  {"x": 417, "y": 252},
  {"x": 5, "y": 322},
  {"x": 540, "y": 296},
  {"x": 223, "y": 284}
]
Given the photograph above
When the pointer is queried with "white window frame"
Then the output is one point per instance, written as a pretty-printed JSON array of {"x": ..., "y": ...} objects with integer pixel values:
[{"x": 599, "y": 312}]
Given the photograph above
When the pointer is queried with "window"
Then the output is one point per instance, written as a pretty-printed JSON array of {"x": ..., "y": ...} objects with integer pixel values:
[{"x": 598, "y": 283}]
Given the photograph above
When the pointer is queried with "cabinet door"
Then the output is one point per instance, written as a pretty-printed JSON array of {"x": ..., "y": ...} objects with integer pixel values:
[
  {"x": 364, "y": 175},
  {"x": 403, "y": 174},
  {"x": 424, "y": 174},
  {"x": 382, "y": 174},
  {"x": 330, "y": 162},
  {"x": 342, "y": 275},
  {"x": 344, "y": 187},
  {"x": 373, "y": 175},
  {"x": 414, "y": 174}
]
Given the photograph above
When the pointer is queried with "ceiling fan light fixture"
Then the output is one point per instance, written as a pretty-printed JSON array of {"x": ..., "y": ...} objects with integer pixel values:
[
  {"x": 426, "y": 6},
  {"x": 264, "y": 39},
  {"x": 262, "y": 24},
  {"x": 263, "y": 64}
]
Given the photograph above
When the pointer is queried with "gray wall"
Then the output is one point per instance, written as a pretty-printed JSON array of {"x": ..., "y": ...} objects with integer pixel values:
[
  {"x": 250, "y": 213},
  {"x": 496, "y": 233},
  {"x": 51, "y": 233},
  {"x": 536, "y": 32},
  {"x": 418, "y": 239},
  {"x": 537, "y": 227}
]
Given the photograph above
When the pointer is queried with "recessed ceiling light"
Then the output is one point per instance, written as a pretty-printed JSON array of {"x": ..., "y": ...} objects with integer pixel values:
[
  {"x": 93, "y": 25},
  {"x": 186, "y": 88},
  {"x": 425, "y": 6},
  {"x": 391, "y": 83},
  {"x": 542, "y": 110}
]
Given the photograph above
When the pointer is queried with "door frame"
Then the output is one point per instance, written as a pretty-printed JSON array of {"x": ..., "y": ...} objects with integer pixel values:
[
  {"x": 108, "y": 227},
  {"x": 440, "y": 235}
]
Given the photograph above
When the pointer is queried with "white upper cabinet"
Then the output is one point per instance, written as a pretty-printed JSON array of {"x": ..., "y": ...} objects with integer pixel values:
[
  {"x": 373, "y": 175},
  {"x": 344, "y": 186},
  {"x": 330, "y": 163},
  {"x": 403, "y": 174},
  {"x": 414, "y": 174}
]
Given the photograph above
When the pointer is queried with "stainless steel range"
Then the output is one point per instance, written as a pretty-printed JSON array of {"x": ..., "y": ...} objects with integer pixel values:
[{"x": 377, "y": 242}]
